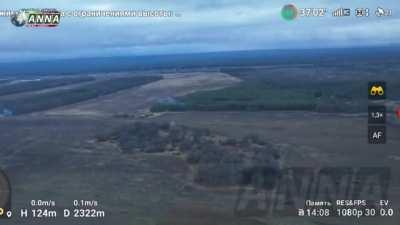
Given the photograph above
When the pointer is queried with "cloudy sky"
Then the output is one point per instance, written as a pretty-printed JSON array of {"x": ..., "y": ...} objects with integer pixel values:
[{"x": 204, "y": 26}]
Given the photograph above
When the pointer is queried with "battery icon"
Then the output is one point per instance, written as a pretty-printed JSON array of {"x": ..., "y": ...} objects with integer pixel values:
[{"x": 362, "y": 12}]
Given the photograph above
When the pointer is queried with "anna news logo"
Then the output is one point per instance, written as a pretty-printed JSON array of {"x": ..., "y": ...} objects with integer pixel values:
[{"x": 36, "y": 18}]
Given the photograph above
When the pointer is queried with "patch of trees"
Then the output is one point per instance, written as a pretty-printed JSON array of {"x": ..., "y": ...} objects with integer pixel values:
[{"x": 218, "y": 160}]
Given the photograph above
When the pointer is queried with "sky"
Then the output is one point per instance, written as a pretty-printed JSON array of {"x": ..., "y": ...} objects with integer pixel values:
[{"x": 199, "y": 26}]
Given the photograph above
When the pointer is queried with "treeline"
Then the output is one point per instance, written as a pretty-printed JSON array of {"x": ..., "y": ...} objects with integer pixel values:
[
  {"x": 4, "y": 81},
  {"x": 27, "y": 86},
  {"x": 233, "y": 107},
  {"x": 53, "y": 99}
]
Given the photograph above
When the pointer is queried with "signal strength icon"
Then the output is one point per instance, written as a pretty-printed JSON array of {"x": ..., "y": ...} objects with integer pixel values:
[{"x": 341, "y": 12}]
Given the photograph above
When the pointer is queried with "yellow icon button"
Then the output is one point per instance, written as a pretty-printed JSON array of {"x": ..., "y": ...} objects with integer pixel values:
[{"x": 377, "y": 91}]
